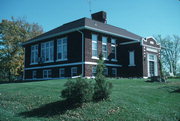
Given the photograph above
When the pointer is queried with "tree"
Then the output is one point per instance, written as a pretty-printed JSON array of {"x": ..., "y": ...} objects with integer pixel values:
[
  {"x": 12, "y": 34},
  {"x": 170, "y": 53},
  {"x": 102, "y": 88}
]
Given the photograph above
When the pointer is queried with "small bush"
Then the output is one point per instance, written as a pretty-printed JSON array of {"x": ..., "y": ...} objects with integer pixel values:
[
  {"x": 102, "y": 88},
  {"x": 78, "y": 91}
]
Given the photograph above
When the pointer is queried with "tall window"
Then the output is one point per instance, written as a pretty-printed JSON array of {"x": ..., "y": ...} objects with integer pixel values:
[
  {"x": 47, "y": 51},
  {"x": 94, "y": 71},
  {"x": 47, "y": 73},
  {"x": 104, "y": 47},
  {"x": 34, "y": 54},
  {"x": 74, "y": 71},
  {"x": 114, "y": 72},
  {"x": 94, "y": 45},
  {"x": 62, "y": 49},
  {"x": 113, "y": 49},
  {"x": 34, "y": 74},
  {"x": 131, "y": 58},
  {"x": 61, "y": 72}
]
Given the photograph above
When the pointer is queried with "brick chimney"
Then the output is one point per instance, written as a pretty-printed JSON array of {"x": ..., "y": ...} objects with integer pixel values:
[{"x": 99, "y": 16}]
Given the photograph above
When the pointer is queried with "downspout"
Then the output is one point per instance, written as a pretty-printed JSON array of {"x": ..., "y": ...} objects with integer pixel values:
[{"x": 82, "y": 36}]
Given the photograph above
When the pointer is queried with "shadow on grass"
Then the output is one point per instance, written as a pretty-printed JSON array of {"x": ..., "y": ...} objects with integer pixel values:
[
  {"x": 176, "y": 91},
  {"x": 51, "y": 109},
  {"x": 171, "y": 89}
]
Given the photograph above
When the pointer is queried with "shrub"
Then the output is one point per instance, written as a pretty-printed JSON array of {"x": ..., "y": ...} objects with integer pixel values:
[
  {"x": 102, "y": 88},
  {"x": 78, "y": 91}
]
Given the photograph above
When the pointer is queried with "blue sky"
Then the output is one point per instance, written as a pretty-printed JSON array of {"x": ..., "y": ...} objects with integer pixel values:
[{"x": 143, "y": 17}]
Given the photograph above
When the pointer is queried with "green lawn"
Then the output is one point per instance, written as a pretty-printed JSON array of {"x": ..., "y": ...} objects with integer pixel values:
[{"x": 131, "y": 100}]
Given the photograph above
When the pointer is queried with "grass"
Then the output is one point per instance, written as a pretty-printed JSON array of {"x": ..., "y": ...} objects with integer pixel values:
[{"x": 131, "y": 99}]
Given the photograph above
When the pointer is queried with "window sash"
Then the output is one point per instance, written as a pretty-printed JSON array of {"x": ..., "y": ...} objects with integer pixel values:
[
  {"x": 131, "y": 58},
  {"x": 106, "y": 71},
  {"x": 151, "y": 57},
  {"x": 113, "y": 49},
  {"x": 114, "y": 71},
  {"x": 104, "y": 51},
  {"x": 34, "y": 54},
  {"x": 61, "y": 72},
  {"x": 47, "y": 73},
  {"x": 62, "y": 49},
  {"x": 47, "y": 51},
  {"x": 94, "y": 71},
  {"x": 104, "y": 47},
  {"x": 34, "y": 74},
  {"x": 94, "y": 45},
  {"x": 74, "y": 71}
]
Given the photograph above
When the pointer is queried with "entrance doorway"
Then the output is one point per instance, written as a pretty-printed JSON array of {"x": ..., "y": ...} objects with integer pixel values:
[{"x": 151, "y": 68}]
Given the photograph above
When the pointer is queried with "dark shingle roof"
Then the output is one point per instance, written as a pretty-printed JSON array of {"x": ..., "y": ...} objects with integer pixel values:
[
  {"x": 86, "y": 23},
  {"x": 110, "y": 28}
]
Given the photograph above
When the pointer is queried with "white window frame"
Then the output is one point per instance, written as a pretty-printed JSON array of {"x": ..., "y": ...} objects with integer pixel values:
[
  {"x": 48, "y": 72},
  {"x": 60, "y": 72},
  {"x": 95, "y": 49},
  {"x": 34, "y": 54},
  {"x": 73, "y": 71},
  {"x": 48, "y": 51},
  {"x": 104, "y": 43},
  {"x": 114, "y": 70},
  {"x": 131, "y": 58},
  {"x": 63, "y": 50},
  {"x": 34, "y": 74},
  {"x": 113, "y": 45}
]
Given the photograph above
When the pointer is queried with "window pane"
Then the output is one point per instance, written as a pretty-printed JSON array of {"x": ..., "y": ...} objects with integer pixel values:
[
  {"x": 104, "y": 48},
  {"x": 45, "y": 74},
  {"x": 104, "y": 40},
  {"x": 113, "y": 41},
  {"x": 51, "y": 44},
  {"x": 94, "y": 46},
  {"x": 94, "y": 37},
  {"x": 64, "y": 40},
  {"x": 74, "y": 71},
  {"x": 94, "y": 71},
  {"x": 131, "y": 58},
  {"x": 62, "y": 72},
  {"x": 59, "y": 55},
  {"x": 151, "y": 57},
  {"x": 51, "y": 53},
  {"x": 47, "y": 45},
  {"x": 94, "y": 52},
  {"x": 47, "y": 54},
  {"x": 49, "y": 73},
  {"x": 113, "y": 52},
  {"x": 43, "y": 53}
]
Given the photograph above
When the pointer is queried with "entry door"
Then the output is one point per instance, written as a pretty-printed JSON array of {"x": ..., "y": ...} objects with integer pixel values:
[{"x": 151, "y": 68}]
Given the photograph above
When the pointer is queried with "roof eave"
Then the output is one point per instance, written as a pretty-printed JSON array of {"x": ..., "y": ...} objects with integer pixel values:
[{"x": 75, "y": 29}]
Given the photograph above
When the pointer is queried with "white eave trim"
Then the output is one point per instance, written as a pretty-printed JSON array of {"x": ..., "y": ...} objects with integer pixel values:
[
  {"x": 53, "y": 35},
  {"x": 126, "y": 43},
  {"x": 75, "y": 29},
  {"x": 111, "y": 33}
]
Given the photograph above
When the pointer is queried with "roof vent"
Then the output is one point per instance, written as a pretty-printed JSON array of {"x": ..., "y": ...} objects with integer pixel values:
[{"x": 99, "y": 16}]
